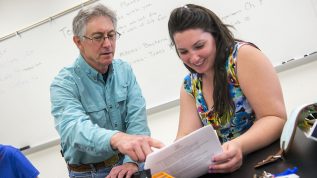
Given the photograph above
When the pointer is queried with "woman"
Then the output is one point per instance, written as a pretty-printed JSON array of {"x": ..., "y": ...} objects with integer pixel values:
[{"x": 232, "y": 86}]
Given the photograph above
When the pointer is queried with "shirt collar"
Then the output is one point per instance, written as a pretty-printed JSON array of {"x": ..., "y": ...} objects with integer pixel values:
[{"x": 90, "y": 71}]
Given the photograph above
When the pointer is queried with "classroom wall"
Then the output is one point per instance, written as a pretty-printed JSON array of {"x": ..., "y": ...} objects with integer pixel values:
[{"x": 298, "y": 84}]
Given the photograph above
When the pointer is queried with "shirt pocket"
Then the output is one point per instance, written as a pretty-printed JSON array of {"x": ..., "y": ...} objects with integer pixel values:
[
  {"x": 97, "y": 114},
  {"x": 121, "y": 103}
]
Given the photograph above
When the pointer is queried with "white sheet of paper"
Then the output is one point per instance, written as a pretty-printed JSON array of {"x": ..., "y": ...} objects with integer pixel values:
[{"x": 188, "y": 157}]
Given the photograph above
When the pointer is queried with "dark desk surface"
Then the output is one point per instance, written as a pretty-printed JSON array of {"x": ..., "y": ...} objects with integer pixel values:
[{"x": 302, "y": 154}]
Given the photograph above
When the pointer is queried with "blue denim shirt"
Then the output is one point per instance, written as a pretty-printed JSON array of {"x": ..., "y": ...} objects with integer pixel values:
[{"x": 89, "y": 111}]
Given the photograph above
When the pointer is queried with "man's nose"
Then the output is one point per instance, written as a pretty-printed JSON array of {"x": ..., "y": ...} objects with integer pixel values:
[{"x": 106, "y": 42}]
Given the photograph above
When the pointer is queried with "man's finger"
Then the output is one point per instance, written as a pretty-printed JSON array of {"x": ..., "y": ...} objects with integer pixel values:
[
  {"x": 132, "y": 155},
  {"x": 139, "y": 153},
  {"x": 146, "y": 148},
  {"x": 156, "y": 143}
]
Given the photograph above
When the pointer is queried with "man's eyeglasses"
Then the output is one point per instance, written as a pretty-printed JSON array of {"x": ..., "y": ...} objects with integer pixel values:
[{"x": 100, "y": 38}]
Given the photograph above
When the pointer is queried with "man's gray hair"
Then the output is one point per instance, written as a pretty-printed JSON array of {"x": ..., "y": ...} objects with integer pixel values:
[{"x": 84, "y": 15}]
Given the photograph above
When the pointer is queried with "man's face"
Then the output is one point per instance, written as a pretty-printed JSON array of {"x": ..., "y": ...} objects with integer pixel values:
[{"x": 98, "y": 44}]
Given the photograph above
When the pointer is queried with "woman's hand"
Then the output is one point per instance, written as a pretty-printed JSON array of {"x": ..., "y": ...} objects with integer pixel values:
[{"x": 229, "y": 160}]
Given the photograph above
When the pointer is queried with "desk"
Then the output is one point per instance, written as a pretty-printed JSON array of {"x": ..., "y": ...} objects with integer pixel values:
[{"x": 302, "y": 154}]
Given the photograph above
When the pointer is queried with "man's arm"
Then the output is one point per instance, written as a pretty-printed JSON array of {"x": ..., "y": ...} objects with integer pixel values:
[{"x": 72, "y": 122}]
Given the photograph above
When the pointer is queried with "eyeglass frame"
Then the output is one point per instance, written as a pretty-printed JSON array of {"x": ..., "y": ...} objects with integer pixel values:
[{"x": 103, "y": 37}]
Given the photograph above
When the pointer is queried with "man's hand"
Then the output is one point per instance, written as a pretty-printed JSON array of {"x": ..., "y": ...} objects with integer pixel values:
[
  {"x": 125, "y": 170},
  {"x": 135, "y": 146}
]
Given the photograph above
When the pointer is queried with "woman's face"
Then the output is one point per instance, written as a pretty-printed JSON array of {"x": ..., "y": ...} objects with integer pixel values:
[{"x": 197, "y": 49}]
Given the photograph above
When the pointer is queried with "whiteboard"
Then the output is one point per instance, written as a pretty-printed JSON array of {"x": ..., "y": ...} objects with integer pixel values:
[{"x": 283, "y": 30}]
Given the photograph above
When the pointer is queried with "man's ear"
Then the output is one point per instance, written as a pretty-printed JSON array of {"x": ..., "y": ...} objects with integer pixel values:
[{"x": 78, "y": 42}]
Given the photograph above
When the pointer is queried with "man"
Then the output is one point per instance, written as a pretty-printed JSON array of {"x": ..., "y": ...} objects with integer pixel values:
[
  {"x": 14, "y": 164},
  {"x": 97, "y": 103}
]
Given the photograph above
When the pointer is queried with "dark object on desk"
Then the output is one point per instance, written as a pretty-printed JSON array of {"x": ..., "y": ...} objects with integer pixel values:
[
  {"x": 303, "y": 117},
  {"x": 302, "y": 154},
  {"x": 270, "y": 159},
  {"x": 142, "y": 174}
]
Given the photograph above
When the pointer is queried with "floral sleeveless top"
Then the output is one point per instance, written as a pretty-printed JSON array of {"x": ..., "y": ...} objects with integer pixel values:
[{"x": 243, "y": 117}]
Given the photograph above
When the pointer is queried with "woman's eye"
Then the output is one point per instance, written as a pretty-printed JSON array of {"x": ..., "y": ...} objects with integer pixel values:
[
  {"x": 199, "y": 46},
  {"x": 182, "y": 52}
]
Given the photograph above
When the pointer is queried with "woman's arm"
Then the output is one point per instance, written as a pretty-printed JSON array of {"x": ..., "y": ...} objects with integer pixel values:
[
  {"x": 189, "y": 120},
  {"x": 259, "y": 82},
  {"x": 261, "y": 86}
]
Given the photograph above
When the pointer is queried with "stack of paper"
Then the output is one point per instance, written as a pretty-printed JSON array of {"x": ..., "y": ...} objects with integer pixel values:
[{"x": 188, "y": 157}]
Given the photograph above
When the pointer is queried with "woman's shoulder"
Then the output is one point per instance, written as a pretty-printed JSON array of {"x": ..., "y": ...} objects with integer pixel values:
[
  {"x": 240, "y": 43},
  {"x": 187, "y": 83},
  {"x": 245, "y": 50},
  {"x": 190, "y": 80},
  {"x": 235, "y": 48}
]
